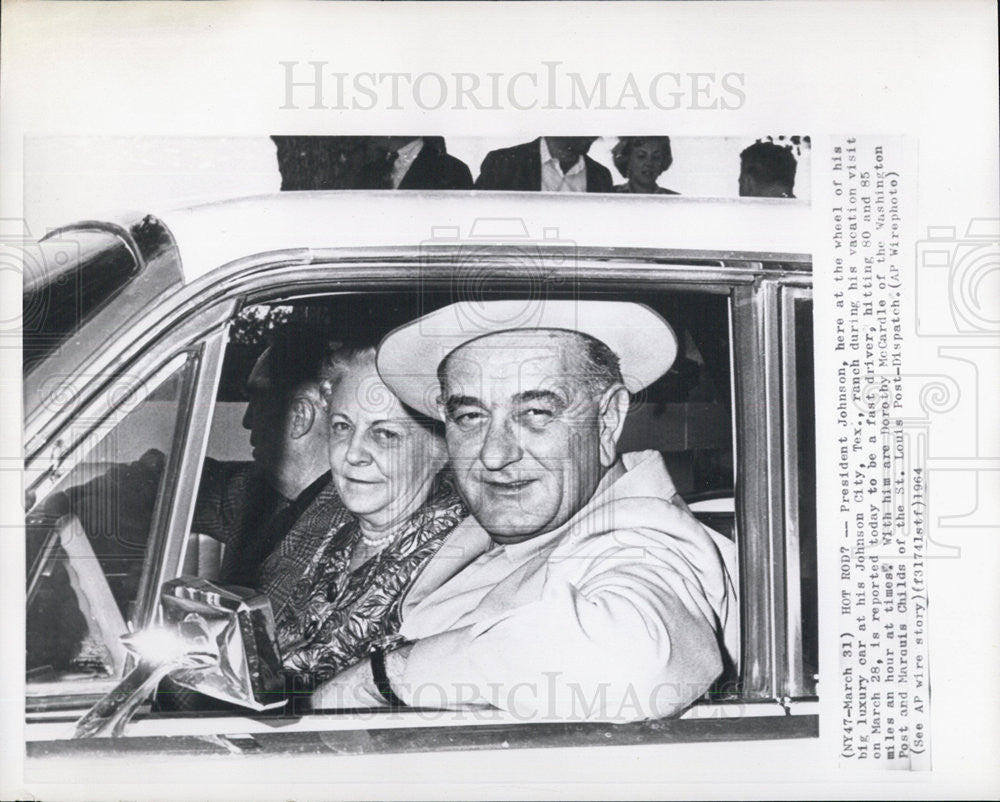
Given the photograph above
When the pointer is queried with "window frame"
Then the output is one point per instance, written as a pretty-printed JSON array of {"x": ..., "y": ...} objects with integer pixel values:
[{"x": 797, "y": 684}]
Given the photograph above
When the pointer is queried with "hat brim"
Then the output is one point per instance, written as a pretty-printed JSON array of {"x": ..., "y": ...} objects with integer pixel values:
[{"x": 408, "y": 357}]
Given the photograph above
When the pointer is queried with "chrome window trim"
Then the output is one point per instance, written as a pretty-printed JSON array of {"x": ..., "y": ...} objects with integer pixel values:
[
  {"x": 55, "y": 725},
  {"x": 165, "y": 499},
  {"x": 796, "y": 684},
  {"x": 363, "y": 739},
  {"x": 767, "y": 491},
  {"x": 141, "y": 329},
  {"x": 777, "y": 564},
  {"x": 166, "y": 555},
  {"x": 752, "y": 493}
]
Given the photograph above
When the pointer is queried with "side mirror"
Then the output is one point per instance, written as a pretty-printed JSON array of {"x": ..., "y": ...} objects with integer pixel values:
[
  {"x": 239, "y": 628},
  {"x": 214, "y": 639}
]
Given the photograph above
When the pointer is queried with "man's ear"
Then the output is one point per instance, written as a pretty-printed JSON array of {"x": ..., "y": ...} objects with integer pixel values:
[
  {"x": 611, "y": 420},
  {"x": 302, "y": 416}
]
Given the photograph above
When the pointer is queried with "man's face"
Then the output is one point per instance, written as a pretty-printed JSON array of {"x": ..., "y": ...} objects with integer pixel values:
[
  {"x": 266, "y": 418},
  {"x": 522, "y": 432}
]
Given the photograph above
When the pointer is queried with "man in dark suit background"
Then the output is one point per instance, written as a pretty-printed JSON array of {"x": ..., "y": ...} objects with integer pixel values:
[
  {"x": 546, "y": 164},
  {"x": 412, "y": 162}
]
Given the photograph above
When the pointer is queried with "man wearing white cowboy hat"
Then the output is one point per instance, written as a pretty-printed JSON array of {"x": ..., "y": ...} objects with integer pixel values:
[{"x": 583, "y": 587}]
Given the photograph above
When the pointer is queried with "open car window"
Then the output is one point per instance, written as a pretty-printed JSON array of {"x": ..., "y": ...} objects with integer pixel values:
[{"x": 686, "y": 416}]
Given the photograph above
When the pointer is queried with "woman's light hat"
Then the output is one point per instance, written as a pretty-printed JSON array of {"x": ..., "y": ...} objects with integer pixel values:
[{"x": 408, "y": 358}]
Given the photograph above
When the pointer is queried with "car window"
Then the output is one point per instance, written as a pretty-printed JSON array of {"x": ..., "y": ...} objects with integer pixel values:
[
  {"x": 686, "y": 415},
  {"x": 87, "y": 538}
]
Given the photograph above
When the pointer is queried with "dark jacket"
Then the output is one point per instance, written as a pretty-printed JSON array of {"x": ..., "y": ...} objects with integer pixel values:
[
  {"x": 432, "y": 169},
  {"x": 519, "y": 169}
]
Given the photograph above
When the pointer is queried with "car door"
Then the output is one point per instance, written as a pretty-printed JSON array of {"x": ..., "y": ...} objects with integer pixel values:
[{"x": 193, "y": 350}]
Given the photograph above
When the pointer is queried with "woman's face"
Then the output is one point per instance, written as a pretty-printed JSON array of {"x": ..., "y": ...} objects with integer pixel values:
[
  {"x": 646, "y": 160},
  {"x": 382, "y": 460}
]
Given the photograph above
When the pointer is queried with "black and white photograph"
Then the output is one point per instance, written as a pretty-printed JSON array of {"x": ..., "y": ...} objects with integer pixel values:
[
  {"x": 284, "y": 505},
  {"x": 411, "y": 403}
]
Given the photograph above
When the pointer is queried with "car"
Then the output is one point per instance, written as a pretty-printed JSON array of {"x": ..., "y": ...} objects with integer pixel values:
[{"x": 139, "y": 334}]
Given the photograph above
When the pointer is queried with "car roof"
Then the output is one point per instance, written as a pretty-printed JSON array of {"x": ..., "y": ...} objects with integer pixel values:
[
  {"x": 372, "y": 225},
  {"x": 214, "y": 234}
]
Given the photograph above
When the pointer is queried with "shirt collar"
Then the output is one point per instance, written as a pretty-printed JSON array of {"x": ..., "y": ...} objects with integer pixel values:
[
  {"x": 547, "y": 157},
  {"x": 516, "y": 552},
  {"x": 409, "y": 151}
]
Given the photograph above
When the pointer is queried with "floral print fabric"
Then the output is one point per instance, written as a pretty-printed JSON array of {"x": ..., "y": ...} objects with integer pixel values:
[{"x": 333, "y": 621}]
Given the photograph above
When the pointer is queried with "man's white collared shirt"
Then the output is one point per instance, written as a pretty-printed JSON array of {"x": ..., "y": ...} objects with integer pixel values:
[
  {"x": 405, "y": 157},
  {"x": 553, "y": 178},
  {"x": 627, "y": 597}
]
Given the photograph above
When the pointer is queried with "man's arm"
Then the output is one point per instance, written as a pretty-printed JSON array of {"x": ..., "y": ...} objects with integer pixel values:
[
  {"x": 632, "y": 639},
  {"x": 461, "y": 176},
  {"x": 226, "y": 495},
  {"x": 117, "y": 507},
  {"x": 628, "y": 651}
]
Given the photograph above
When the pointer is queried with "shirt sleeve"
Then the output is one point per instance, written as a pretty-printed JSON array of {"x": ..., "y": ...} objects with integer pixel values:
[{"x": 631, "y": 637}]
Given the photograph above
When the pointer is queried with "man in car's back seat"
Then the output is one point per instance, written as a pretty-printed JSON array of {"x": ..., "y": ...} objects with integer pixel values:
[
  {"x": 584, "y": 588},
  {"x": 276, "y": 513}
]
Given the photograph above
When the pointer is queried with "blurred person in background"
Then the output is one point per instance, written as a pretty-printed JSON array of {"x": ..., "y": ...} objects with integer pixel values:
[
  {"x": 546, "y": 164},
  {"x": 412, "y": 162},
  {"x": 642, "y": 160},
  {"x": 767, "y": 170}
]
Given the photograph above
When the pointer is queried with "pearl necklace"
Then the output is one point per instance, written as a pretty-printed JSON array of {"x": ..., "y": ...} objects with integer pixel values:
[{"x": 377, "y": 542}]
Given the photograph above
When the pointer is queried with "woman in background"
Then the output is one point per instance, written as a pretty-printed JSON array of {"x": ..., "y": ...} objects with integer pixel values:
[{"x": 641, "y": 160}]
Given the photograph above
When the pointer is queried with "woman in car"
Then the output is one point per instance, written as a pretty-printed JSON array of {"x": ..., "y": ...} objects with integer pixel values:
[
  {"x": 642, "y": 160},
  {"x": 389, "y": 469}
]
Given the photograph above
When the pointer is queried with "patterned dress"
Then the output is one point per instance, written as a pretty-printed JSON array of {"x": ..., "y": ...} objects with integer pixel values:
[{"x": 333, "y": 621}]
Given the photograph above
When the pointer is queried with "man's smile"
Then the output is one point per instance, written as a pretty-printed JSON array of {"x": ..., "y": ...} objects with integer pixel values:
[{"x": 508, "y": 486}]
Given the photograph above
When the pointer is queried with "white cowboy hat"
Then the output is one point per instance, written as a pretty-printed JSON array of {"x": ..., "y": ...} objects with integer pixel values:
[{"x": 408, "y": 357}]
